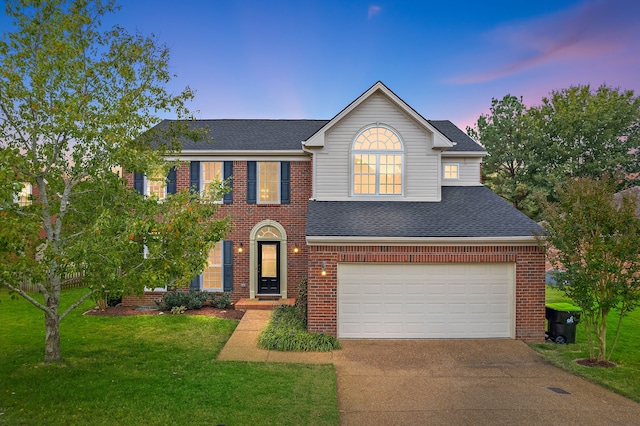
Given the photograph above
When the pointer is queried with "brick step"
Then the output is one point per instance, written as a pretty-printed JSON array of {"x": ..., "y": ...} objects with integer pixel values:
[{"x": 262, "y": 303}]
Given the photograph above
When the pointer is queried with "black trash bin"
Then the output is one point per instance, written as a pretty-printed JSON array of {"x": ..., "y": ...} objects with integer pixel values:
[{"x": 562, "y": 318}]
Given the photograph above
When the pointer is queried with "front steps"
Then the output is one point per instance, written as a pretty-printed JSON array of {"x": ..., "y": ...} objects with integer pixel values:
[{"x": 264, "y": 304}]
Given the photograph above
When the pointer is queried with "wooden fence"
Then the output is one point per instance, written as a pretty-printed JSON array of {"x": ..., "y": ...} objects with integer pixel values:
[{"x": 74, "y": 280}]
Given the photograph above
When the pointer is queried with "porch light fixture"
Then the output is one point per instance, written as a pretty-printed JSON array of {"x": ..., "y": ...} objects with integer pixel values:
[
  {"x": 296, "y": 249},
  {"x": 240, "y": 248},
  {"x": 324, "y": 269}
]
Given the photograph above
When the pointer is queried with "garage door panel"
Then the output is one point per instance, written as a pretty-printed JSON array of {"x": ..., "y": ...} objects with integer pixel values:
[{"x": 425, "y": 300}]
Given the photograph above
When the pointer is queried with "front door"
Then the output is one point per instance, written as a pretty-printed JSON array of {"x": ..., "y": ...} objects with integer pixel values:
[{"x": 269, "y": 267}]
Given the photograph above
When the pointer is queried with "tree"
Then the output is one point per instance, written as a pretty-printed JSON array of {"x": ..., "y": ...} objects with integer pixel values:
[
  {"x": 507, "y": 133},
  {"x": 596, "y": 242},
  {"x": 75, "y": 103},
  {"x": 575, "y": 132},
  {"x": 586, "y": 133}
]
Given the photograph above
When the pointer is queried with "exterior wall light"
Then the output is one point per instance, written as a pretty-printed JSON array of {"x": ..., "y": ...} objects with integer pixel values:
[
  {"x": 324, "y": 269},
  {"x": 296, "y": 249},
  {"x": 240, "y": 248}
]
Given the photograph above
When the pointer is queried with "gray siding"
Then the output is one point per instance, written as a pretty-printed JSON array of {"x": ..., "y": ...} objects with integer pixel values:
[
  {"x": 468, "y": 171},
  {"x": 333, "y": 161}
]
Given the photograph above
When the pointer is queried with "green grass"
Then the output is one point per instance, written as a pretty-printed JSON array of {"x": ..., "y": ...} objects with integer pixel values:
[
  {"x": 151, "y": 370},
  {"x": 287, "y": 331},
  {"x": 625, "y": 377}
]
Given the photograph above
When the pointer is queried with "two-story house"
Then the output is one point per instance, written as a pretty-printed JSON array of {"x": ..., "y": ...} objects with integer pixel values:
[{"x": 382, "y": 210}]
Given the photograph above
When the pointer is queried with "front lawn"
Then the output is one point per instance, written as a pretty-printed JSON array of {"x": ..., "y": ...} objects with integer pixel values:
[
  {"x": 625, "y": 377},
  {"x": 151, "y": 370}
]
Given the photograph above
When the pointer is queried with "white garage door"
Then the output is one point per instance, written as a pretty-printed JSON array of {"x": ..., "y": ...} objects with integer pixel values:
[{"x": 426, "y": 301}]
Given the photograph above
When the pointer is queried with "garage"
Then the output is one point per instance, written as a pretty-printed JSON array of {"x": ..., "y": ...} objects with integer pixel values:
[{"x": 426, "y": 301}]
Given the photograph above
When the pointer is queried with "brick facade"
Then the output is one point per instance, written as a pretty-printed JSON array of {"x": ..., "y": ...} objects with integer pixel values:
[
  {"x": 245, "y": 216},
  {"x": 529, "y": 292}
]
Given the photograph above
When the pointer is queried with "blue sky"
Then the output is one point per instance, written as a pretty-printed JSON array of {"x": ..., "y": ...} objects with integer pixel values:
[{"x": 309, "y": 59}]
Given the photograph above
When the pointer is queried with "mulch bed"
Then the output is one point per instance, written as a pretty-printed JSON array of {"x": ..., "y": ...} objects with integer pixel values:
[
  {"x": 123, "y": 311},
  {"x": 593, "y": 363}
]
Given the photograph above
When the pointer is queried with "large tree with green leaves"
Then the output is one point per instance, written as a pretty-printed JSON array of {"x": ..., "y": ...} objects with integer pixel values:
[
  {"x": 586, "y": 133},
  {"x": 595, "y": 241},
  {"x": 76, "y": 101},
  {"x": 575, "y": 132},
  {"x": 508, "y": 134}
]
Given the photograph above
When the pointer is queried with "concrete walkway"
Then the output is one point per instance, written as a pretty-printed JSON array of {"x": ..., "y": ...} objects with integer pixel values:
[
  {"x": 242, "y": 344},
  {"x": 447, "y": 382}
]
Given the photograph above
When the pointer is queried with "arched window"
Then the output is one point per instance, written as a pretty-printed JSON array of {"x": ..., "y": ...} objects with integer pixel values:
[{"x": 377, "y": 158}]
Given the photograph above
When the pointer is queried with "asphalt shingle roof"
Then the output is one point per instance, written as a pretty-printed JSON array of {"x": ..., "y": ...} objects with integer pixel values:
[
  {"x": 253, "y": 134},
  {"x": 462, "y": 141},
  {"x": 471, "y": 211},
  {"x": 276, "y": 135}
]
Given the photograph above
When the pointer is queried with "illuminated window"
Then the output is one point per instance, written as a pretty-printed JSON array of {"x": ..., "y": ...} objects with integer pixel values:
[
  {"x": 156, "y": 184},
  {"x": 451, "y": 171},
  {"x": 24, "y": 196},
  {"x": 268, "y": 182},
  {"x": 211, "y": 171},
  {"x": 212, "y": 277},
  {"x": 377, "y": 162}
]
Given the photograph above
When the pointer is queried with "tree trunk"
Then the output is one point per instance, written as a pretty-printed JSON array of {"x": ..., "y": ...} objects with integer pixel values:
[{"x": 52, "y": 339}]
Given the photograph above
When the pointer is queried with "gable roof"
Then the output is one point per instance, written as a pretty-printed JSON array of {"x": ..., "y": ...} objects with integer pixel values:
[
  {"x": 251, "y": 134},
  {"x": 439, "y": 141},
  {"x": 464, "y": 212}
]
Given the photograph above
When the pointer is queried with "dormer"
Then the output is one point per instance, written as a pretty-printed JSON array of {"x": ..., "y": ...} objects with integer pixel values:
[{"x": 379, "y": 148}]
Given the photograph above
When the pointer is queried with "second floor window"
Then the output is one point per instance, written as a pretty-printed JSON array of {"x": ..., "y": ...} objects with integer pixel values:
[
  {"x": 211, "y": 171},
  {"x": 450, "y": 171},
  {"x": 268, "y": 182},
  {"x": 377, "y": 162},
  {"x": 155, "y": 184},
  {"x": 24, "y": 196}
]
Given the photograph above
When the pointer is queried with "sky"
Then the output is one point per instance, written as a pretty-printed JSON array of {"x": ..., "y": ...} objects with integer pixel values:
[{"x": 446, "y": 59}]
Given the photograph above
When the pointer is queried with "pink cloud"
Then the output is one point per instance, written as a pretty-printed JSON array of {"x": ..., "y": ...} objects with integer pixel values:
[
  {"x": 596, "y": 30},
  {"x": 373, "y": 11}
]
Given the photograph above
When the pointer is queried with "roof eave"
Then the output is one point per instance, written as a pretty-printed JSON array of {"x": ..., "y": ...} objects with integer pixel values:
[
  {"x": 421, "y": 241},
  {"x": 464, "y": 153}
]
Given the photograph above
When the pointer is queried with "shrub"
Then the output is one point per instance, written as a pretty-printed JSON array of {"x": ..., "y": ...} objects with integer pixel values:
[
  {"x": 220, "y": 300},
  {"x": 190, "y": 300},
  {"x": 301, "y": 301},
  {"x": 287, "y": 331},
  {"x": 177, "y": 310}
]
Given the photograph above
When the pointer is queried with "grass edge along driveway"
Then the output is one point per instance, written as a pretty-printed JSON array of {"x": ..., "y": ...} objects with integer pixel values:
[
  {"x": 152, "y": 370},
  {"x": 625, "y": 377}
]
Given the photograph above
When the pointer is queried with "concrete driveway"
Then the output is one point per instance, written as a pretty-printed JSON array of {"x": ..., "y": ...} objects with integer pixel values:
[
  {"x": 467, "y": 382},
  {"x": 446, "y": 382}
]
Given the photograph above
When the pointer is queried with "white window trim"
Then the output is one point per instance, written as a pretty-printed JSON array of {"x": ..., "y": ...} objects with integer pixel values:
[
  {"x": 201, "y": 189},
  {"x": 145, "y": 188},
  {"x": 444, "y": 166},
  {"x": 279, "y": 171},
  {"x": 377, "y": 153}
]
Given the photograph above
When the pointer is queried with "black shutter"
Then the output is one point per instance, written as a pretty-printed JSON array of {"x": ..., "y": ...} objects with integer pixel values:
[
  {"x": 228, "y": 173},
  {"x": 172, "y": 183},
  {"x": 138, "y": 182},
  {"x": 285, "y": 185},
  {"x": 194, "y": 176},
  {"x": 227, "y": 258},
  {"x": 195, "y": 282},
  {"x": 251, "y": 182}
]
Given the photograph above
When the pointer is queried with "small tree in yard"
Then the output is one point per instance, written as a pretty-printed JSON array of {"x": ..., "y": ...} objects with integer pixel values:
[
  {"x": 597, "y": 247},
  {"x": 76, "y": 102}
]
